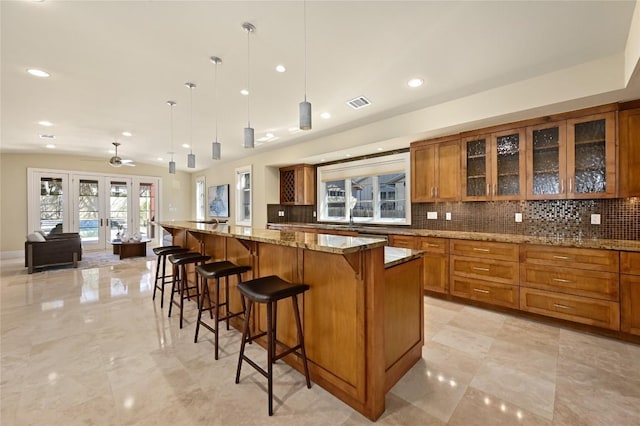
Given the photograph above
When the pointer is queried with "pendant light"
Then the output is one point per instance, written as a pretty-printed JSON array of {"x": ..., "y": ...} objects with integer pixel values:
[
  {"x": 215, "y": 145},
  {"x": 191, "y": 157},
  {"x": 172, "y": 164},
  {"x": 305, "y": 107},
  {"x": 248, "y": 131}
]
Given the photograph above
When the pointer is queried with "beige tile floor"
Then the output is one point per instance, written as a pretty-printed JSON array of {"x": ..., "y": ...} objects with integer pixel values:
[{"x": 90, "y": 347}]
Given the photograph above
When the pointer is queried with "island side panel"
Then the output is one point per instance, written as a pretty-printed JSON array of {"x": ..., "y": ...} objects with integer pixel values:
[{"x": 404, "y": 319}]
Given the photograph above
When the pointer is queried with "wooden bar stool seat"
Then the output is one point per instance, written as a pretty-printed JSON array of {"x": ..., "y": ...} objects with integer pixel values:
[
  {"x": 180, "y": 280},
  {"x": 269, "y": 290},
  {"x": 217, "y": 270},
  {"x": 162, "y": 253}
]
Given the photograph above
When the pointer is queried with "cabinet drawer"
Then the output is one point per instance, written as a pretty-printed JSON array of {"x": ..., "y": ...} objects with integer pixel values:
[
  {"x": 630, "y": 263},
  {"x": 489, "y": 250},
  {"x": 580, "y": 309},
  {"x": 485, "y": 291},
  {"x": 592, "y": 259},
  {"x": 403, "y": 241},
  {"x": 433, "y": 245},
  {"x": 580, "y": 282},
  {"x": 494, "y": 270}
]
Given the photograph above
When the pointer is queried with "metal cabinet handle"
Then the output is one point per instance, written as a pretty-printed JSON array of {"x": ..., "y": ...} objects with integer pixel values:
[
  {"x": 557, "y": 305},
  {"x": 561, "y": 257},
  {"x": 432, "y": 245},
  {"x": 479, "y": 290},
  {"x": 488, "y": 189},
  {"x": 477, "y": 268},
  {"x": 433, "y": 191},
  {"x": 562, "y": 186},
  {"x": 570, "y": 185},
  {"x": 481, "y": 249},
  {"x": 495, "y": 188},
  {"x": 560, "y": 280}
]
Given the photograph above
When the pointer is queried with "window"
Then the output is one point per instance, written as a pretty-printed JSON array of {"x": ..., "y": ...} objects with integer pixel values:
[
  {"x": 200, "y": 198},
  {"x": 243, "y": 196},
  {"x": 366, "y": 191}
]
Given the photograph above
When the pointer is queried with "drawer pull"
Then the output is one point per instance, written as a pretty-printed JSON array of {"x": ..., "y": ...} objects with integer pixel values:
[
  {"x": 479, "y": 290},
  {"x": 433, "y": 245},
  {"x": 562, "y": 257},
  {"x": 477, "y": 268},
  {"x": 561, "y": 280},
  {"x": 481, "y": 249},
  {"x": 557, "y": 305}
]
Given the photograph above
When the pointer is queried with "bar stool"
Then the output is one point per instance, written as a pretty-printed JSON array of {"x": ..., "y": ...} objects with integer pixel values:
[
  {"x": 217, "y": 270},
  {"x": 180, "y": 281},
  {"x": 269, "y": 290},
  {"x": 162, "y": 253}
]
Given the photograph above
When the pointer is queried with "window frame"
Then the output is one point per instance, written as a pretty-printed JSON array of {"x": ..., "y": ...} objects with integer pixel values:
[
  {"x": 240, "y": 192},
  {"x": 371, "y": 167}
]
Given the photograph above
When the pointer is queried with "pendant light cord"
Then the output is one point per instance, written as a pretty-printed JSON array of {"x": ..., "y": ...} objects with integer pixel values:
[
  {"x": 171, "y": 118},
  {"x": 305, "y": 49},
  {"x": 215, "y": 96},
  {"x": 248, "y": 79},
  {"x": 191, "y": 118}
]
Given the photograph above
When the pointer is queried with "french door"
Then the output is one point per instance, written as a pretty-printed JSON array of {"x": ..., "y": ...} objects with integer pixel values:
[{"x": 99, "y": 207}]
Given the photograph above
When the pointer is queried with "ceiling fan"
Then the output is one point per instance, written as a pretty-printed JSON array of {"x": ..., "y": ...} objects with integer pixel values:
[{"x": 116, "y": 161}]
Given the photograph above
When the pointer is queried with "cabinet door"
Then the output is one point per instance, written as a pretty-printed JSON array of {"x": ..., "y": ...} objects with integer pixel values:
[
  {"x": 436, "y": 272},
  {"x": 629, "y": 141},
  {"x": 546, "y": 161},
  {"x": 591, "y": 156},
  {"x": 423, "y": 164},
  {"x": 630, "y": 303},
  {"x": 448, "y": 171},
  {"x": 508, "y": 165},
  {"x": 475, "y": 168}
]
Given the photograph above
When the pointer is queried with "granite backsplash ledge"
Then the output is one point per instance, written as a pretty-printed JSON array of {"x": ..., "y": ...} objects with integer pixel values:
[{"x": 620, "y": 218}]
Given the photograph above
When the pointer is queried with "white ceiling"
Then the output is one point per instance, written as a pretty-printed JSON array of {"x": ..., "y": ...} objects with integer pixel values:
[{"x": 114, "y": 64}]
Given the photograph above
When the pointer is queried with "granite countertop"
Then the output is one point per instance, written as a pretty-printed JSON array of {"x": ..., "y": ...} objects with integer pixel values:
[
  {"x": 624, "y": 245},
  {"x": 311, "y": 241},
  {"x": 395, "y": 256}
]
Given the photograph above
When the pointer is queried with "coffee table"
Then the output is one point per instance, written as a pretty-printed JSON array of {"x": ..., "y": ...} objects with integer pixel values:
[{"x": 130, "y": 249}]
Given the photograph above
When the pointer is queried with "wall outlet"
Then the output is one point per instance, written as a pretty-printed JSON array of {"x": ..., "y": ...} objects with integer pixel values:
[
  {"x": 432, "y": 215},
  {"x": 595, "y": 219},
  {"x": 281, "y": 213},
  {"x": 518, "y": 217},
  {"x": 314, "y": 213},
  {"x": 447, "y": 215}
]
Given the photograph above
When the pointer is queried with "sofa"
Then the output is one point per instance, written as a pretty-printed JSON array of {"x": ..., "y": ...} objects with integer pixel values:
[{"x": 51, "y": 250}]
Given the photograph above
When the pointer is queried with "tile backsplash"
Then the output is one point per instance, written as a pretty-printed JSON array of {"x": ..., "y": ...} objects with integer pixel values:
[{"x": 619, "y": 218}]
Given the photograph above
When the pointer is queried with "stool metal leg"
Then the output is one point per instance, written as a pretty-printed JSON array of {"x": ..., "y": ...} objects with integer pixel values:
[
  {"x": 216, "y": 314},
  {"x": 296, "y": 311},
  {"x": 245, "y": 332},
  {"x": 203, "y": 292},
  {"x": 270, "y": 352},
  {"x": 155, "y": 282},
  {"x": 174, "y": 290}
]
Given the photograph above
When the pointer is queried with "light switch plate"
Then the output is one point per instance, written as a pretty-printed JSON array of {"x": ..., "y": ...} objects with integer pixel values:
[
  {"x": 447, "y": 215},
  {"x": 432, "y": 215},
  {"x": 595, "y": 219},
  {"x": 518, "y": 217}
]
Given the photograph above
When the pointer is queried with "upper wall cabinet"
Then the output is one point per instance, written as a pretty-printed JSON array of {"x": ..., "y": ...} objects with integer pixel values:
[
  {"x": 629, "y": 145},
  {"x": 493, "y": 166},
  {"x": 435, "y": 170},
  {"x": 297, "y": 185},
  {"x": 573, "y": 158}
]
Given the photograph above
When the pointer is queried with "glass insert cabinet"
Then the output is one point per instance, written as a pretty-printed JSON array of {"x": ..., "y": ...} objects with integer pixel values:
[
  {"x": 572, "y": 158},
  {"x": 494, "y": 166}
]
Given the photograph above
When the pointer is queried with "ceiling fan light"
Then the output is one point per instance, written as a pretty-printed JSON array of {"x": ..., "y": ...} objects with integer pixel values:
[
  {"x": 191, "y": 161},
  {"x": 249, "y": 141},
  {"x": 215, "y": 150},
  {"x": 305, "y": 115}
]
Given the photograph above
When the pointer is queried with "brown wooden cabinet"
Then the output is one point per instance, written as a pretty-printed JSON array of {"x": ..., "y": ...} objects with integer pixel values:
[
  {"x": 630, "y": 292},
  {"x": 493, "y": 166},
  {"x": 580, "y": 285},
  {"x": 435, "y": 170},
  {"x": 485, "y": 271},
  {"x": 436, "y": 259},
  {"x": 629, "y": 154},
  {"x": 573, "y": 158},
  {"x": 298, "y": 185}
]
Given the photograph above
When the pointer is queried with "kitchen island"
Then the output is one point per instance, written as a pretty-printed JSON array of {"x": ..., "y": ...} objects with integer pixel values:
[{"x": 362, "y": 316}]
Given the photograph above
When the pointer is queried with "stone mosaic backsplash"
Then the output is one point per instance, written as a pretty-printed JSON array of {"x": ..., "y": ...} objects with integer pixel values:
[{"x": 619, "y": 218}]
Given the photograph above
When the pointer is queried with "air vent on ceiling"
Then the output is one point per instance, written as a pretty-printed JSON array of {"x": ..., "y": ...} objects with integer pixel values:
[{"x": 359, "y": 102}]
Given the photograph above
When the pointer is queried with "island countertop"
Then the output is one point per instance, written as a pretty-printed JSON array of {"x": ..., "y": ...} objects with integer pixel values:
[{"x": 337, "y": 244}]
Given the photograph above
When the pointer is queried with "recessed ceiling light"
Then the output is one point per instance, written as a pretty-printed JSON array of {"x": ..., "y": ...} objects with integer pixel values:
[
  {"x": 379, "y": 149},
  {"x": 347, "y": 155},
  {"x": 280, "y": 68},
  {"x": 47, "y": 136},
  {"x": 127, "y": 134},
  {"x": 185, "y": 145},
  {"x": 38, "y": 73},
  {"x": 159, "y": 159},
  {"x": 50, "y": 146},
  {"x": 325, "y": 115},
  {"x": 244, "y": 92},
  {"x": 45, "y": 123},
  {"x": 415, "y": 82}
]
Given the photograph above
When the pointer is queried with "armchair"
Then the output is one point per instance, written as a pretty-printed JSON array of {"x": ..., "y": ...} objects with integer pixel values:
[{"x": 56, "y": 249}]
